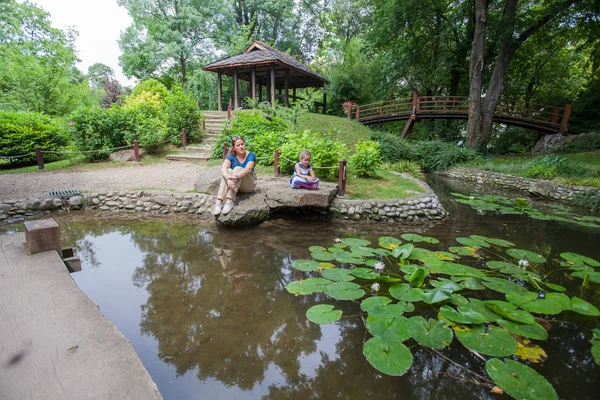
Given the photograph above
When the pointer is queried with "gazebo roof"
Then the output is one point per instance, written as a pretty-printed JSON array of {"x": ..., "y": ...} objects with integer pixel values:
[{"x": 261, "y": 57}]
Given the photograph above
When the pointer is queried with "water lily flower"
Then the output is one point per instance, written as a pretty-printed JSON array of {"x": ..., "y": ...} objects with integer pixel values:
[
  {"x": 523, "y": 263},
  {"x": 379, "y": 266},
  {"x": 375, "y": 287},
  {"x": 472, "y": 198}
]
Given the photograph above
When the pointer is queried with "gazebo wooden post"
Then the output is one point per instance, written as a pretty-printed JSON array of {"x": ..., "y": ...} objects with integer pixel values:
[
  {"x": 260, "y": 93},
  {"x": 220, "y": 91},
  {"x": 253, "y": 82},
  {"x": 235, "y": 88},
  {"x": 272, "y": 84},
  {"x": 286, "y": 85}
]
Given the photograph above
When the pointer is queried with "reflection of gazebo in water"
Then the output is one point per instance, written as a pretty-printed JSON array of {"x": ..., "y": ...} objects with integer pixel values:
[{"x": 263, "y": 66}]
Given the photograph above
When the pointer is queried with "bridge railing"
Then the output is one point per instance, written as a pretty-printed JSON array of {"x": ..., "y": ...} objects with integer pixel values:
[
  {"x": 442, "y": 104},
  {"x": 389, "y": 107},
  {"x": 537, "y": 112}
]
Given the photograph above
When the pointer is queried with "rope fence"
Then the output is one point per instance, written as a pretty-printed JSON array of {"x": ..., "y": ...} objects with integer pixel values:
[{"x": 135, "y": 145}]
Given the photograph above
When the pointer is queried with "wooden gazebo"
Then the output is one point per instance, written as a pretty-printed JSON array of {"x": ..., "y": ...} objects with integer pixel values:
[{"x": 262, "y": 65}]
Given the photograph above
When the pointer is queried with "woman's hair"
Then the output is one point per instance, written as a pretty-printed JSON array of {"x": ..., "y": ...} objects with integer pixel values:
[
  {"x": 233, "y": 140},
  {"x": 304, "y": 153}
]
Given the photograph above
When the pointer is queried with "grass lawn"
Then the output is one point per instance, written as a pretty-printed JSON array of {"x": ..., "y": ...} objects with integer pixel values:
[
  {"x": 346, "y": 131},
  {"x": 575, "y": 168}
]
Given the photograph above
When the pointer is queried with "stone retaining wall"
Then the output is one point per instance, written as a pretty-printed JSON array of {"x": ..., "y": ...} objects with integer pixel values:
[
  {"x": 161, "y": 202},
  {"x": 426, "y": 207},
  {"x": 544, "y": 188}
]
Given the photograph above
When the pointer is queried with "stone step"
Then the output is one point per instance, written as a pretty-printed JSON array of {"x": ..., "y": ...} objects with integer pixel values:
[
  {"x": 188, "y": 157},
  {"x": 199, "y": 149}
]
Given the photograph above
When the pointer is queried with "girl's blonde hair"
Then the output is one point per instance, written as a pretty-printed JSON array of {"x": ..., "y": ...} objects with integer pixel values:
[{"x": 304, "y": 153}]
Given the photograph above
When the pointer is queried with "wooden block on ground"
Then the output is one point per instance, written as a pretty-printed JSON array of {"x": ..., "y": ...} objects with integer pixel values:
[{"x": 42, "y": 235}]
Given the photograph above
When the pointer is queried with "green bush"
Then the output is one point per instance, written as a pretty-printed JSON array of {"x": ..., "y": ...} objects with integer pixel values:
[
  {"x": 406, "y": 167},
  {"x": 326, "y": 153},
  {"x": 99, "y": 131},
  {"x": 513, "y": 140},
  {"x": 548, "y": 167},
  {"x": 393, "y": 149},
  {"x": 179, "y": 111},
  {"x": 257, "y": 131},
  {"x": 23, "y": 132},
  {"x": 589, "y": 199},
  {"x": 367, "y": 158},
  {"x": 439, "y": 156}
]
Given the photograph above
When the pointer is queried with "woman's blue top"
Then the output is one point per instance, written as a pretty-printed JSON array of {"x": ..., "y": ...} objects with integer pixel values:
[{"x": 236, "y": 163}]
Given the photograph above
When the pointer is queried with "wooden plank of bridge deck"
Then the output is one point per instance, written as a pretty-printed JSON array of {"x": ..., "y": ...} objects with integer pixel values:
[{"x": 54, "y": 341}]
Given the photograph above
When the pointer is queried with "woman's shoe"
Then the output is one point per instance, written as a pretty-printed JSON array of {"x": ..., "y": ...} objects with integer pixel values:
[
  {"x": 227, "y": 207},
  {"x": 217, "y": 209}
]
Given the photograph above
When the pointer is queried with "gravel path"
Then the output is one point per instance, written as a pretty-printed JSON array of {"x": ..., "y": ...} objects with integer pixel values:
[{"x": 175, "y": 175}]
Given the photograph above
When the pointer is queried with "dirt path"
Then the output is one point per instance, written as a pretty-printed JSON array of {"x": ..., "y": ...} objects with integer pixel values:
[{"x": 177, "y": 176}]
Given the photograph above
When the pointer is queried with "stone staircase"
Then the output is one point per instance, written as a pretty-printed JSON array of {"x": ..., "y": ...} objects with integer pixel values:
[{"x": 214, "y": 122}]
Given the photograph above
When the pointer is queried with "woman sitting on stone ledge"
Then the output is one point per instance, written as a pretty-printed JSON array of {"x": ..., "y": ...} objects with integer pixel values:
[{"x": 237, "y": 175}]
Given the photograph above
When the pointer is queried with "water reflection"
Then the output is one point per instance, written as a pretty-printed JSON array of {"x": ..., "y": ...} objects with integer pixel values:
[{"x": 208, "y": 312}]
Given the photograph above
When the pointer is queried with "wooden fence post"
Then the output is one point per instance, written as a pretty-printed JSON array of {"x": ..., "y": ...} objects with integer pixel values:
[
  {"x": 342, "y": 179},
  {"x": 40, "y": 158},
  {"x": 276, "y": 163},
  {"x": 204, "y": 124},
  {"x": 225, "y": 150},
  {"x": 136, "y": 151},
  {"x": 183, "y": 137}
]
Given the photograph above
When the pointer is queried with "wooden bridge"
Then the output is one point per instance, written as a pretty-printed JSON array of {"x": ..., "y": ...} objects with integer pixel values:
[{"x": 549, "y": 119}]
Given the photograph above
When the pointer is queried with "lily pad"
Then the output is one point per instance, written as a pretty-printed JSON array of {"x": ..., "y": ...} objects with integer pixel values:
[
  {"x": 530, "y": 256},
  {"x": 593, "y": 277},
  {"x": 545, "y": 306},
  {"x": 306, "y": 265},
  {"x": 529, "y": 352},
  {"x": 583, "y": 307},
  {"x": 493, "y": 341},
  {"x": 519, "y": 381},
  {"x": 412, "y": 237},
  {"x": 353, "y": 242},
  {"x": 315, "y": 249},
  {"x": 429, "y": 239},
  {"x": 390, "y": 358},
  {"x": 482, "y": 240},
  {"x": 445, "y": 267},
  {"x": 432, "y": 333},
  {"x": 463, "y": 251},
  {"x": 348, "y": 258},
  {"x": 532, "y": 331},
  {"x": 479, "y": 306},
  {"x": 403, "y": 291},
  {"x": 404, "y": 251},
  {"x": 322, "y": 256},
  {"x": 509, "y": 311},
  {"x": 579, "y": 259},
  {"x": 371, "y": 303},
  {"x": 499, "y": 242},
  {"x": 308, "y": 286},
  {"x": 465, "y": 241},
  {"x": 464, "y": 315},
  {"x": 556, "y": 287},
  {"x": 323, "y": 314},
  {"x": 521, "y": 298},
  {"x": 337, "y": 274},
  {"x": 388, "y": 242},
  {"x": 417, "y": 277},
  {"x": 423, "y": 255},
  {"x": 344, "y": 291},
  {"x": 388, "y": 329},
  {"x": 502, "y": 285},
  {"x": 364, "y": 273},
  {"x": 446, "y": 256},
  {"x": 469, "y": 283}
]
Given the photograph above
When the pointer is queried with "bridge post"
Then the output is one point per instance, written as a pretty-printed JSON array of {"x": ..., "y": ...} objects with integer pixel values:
[
  {"x": 565, "y": 120},
  {"x": 416, "y": 104},
  {"x": 357, "y": 113}
]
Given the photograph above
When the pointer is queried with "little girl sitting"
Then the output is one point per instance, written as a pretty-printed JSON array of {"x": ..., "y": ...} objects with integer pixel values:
[{"x": 304, "y": 176}]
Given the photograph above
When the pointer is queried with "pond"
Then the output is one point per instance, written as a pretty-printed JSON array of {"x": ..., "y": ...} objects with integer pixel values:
[{"x": 208, "y": 312}]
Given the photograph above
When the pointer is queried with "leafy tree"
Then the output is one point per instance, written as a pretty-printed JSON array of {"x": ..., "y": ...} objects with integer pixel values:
[
  {"x": 168, "y": 36},
  {"x": 38, "y": 62}
]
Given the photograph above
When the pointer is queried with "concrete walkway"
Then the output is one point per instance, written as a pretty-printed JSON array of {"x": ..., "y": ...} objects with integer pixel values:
[{"x": 54, "y": 341}]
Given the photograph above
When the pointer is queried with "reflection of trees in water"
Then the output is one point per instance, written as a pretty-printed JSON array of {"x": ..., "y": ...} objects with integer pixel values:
[
  {"x": 229, "y": 319},
  {"x": 87, "y": 252}
]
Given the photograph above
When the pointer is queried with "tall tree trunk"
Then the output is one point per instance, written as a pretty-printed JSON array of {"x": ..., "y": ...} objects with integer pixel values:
[{"x": 476, "y": 70}]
